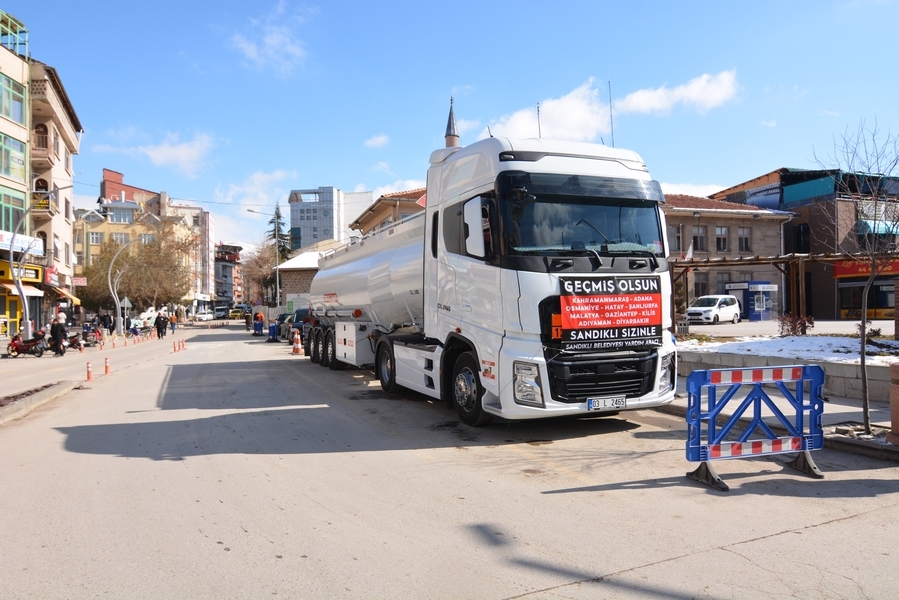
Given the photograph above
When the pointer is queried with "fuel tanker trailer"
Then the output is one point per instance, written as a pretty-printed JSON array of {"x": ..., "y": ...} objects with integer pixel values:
[{"x": 534, "y": 284}]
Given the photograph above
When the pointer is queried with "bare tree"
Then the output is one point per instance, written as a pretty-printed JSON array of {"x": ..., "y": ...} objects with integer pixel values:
[
  {"x": 258, "y": 268},
  {"x": 866, "y": 177}
]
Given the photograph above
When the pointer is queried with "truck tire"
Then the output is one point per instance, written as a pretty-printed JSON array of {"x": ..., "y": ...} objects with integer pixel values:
[
  {"x": 320, "y": 342},
  {"x": 314, "y": 347},
  {"x": 386, "y": 368},
  {"x": 307, "y": 343},
  {"x": 331, "y": 351},
  {"x": 468, "y": 391}
]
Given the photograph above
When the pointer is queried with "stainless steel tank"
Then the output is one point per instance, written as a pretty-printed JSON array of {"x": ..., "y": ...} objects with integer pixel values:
[{"x": 378, "y": 279}]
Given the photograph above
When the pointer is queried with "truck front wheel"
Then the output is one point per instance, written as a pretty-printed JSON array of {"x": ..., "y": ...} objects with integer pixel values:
[
  {"x": 386, "y": 369},
  {"x": 468, "y": 391}
]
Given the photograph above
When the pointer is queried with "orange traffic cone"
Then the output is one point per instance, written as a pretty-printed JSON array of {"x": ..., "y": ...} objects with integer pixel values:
[{"x": 297, "y": 348}]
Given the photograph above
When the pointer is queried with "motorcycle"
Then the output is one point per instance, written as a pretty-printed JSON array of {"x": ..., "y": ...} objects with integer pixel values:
[
  {"x": 90, "y": 335},
  {"x": 35, "y": 346}
]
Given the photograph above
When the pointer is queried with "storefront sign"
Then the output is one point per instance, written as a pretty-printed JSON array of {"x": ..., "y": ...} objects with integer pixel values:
[
  {"x": 51, "y": 276},
  {"x": 854, "y": 268},
  {"x": 26, "y": 274},
  {"x": 33, "y": 245},
  {"x": 610, "y": 312},
  {"x": 79, "y": 281}
]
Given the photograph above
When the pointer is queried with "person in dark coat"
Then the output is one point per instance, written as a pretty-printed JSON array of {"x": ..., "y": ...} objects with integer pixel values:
[
  {"x": 160, "y": 323},
  {"x": 59, "y": 334}
]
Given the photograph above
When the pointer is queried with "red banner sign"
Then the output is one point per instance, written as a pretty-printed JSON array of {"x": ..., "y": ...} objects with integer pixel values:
[
  {"x": 611, "y": 312},
  {"x": 854, "y": 268}
]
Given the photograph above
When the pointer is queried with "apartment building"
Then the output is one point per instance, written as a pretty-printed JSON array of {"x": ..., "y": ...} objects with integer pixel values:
[{"x": 323, "y": 213}]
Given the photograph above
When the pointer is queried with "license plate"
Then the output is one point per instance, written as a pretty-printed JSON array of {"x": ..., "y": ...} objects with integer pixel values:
[{"x": 613, "y": 402}]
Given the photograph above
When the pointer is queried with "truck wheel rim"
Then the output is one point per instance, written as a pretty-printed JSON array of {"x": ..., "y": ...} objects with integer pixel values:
[
  {"x": 464, "y": 388},
  {"x": 386, "y": 367}
]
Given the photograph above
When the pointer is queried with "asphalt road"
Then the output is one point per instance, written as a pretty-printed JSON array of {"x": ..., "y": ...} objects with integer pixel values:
[{"x": 234, "y": 469}]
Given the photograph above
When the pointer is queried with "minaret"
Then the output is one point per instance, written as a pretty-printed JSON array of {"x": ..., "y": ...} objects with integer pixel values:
[{"x": 451, "y": 137}]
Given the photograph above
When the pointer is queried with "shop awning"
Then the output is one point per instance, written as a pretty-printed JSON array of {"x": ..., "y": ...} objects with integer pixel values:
[
  {"x": 29, "y": 290},
  {"x": 63, "y": 292}
]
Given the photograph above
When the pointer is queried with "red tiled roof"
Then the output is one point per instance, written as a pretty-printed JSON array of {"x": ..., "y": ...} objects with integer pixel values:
[
  {"x": 407, "y": 195},
  {"x": 699, "y": 203}
]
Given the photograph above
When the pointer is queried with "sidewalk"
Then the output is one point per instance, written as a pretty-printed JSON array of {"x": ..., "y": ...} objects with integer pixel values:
[{"x": 840, "y": 415}]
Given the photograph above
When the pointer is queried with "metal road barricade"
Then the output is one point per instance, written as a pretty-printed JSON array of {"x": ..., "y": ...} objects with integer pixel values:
[{"x": 712, "y": 435}]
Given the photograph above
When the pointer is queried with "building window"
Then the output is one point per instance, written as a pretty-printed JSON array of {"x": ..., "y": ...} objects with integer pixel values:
[
  {"x": 78, "y": 236},
  {"x": 96, "y": 237},
  {"x": 721, "y": 243},
  {"x": 12, "y": 100},
  {"x": 68, "y": 209},
  {"x": 147, "y": 238},
  {"x": 57, "y": 248},
  {"x": 79, "y": 258},
  {"x": 675, "y": 237},
  {"x": 68, "y": 255},
  {"x": 12, "y": 207},
  {"x": 12, "y": 158},
  {"x": 744, "y": 276},
  {"x": 121, "y": 215},
  {"x": 120, "y": 238},
  {"x": 196, "y": 220},
  {"x": 723, "y": 280},
  {"x": 68, "y": 161},
  {"x": 56, "y": 143},
  {"x": 700, "y": 284},
  {"x": 744, "y": 235},
  {"x": 699, "y": 239}
]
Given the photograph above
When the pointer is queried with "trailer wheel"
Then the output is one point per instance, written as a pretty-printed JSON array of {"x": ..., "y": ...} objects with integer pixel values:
[
  {"x": 307, "y": 343},
  {"x": 468, "y": 391},
  {"x": 386, "y": 368},
  {"x": 331, "y": 351},
  {"x": 322, "y": 351},
  {"x": 315, "y": 342}
]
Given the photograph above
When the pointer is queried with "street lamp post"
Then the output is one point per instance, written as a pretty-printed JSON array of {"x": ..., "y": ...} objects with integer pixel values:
[
  {"x": 114, "y": 289},
  {"x": 17, "y": 279},
  {"x": 277, "y": 256}
]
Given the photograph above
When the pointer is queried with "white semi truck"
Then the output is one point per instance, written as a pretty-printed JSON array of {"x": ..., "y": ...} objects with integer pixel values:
[{"x": 535, "y": 284}]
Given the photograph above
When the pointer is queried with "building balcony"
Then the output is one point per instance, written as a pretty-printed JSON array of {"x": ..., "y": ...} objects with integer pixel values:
[
  {"x": 45, "y": 206},
  {"x": 43, "y": 158}
]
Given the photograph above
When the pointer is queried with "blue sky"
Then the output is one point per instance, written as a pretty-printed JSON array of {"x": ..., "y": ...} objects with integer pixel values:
[{"x": 230, "y": 105}]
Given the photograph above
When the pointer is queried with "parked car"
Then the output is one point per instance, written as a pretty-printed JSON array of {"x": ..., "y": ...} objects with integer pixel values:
[
  {"x": 714, "y": 309},
  {"x": 221, "y": 312},
  {"x": 203, "y": 315},
  {"x": 236, "y": 313},
  {"x": 301, "y": 321}
]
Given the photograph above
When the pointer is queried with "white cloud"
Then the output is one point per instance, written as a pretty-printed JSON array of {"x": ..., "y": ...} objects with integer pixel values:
[
  {"x": 772, "y": 123},
  {"x": 270, "y": 41},
  {"x": 830, "y": 113},
  {"x": 463, "y": 126},
  {"x": 577, "y": 116},
  {"x": 691, "y": 189},
  {"x": 185, "y": 157},
  {"x": 701, "y": 93},
  {"x": 261, "y": 192},
  {"x": 382, "y": 167},
  {"x": 377, "y": 141}
]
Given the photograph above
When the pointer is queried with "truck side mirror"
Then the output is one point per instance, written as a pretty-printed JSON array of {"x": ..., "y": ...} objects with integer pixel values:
[{"x": 474, "y": 228}]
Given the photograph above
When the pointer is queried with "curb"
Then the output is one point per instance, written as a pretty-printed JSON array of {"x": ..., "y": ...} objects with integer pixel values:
[{"x": 26, "y": 405}]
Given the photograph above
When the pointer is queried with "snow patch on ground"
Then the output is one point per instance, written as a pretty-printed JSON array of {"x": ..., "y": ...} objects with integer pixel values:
[{"x": 834, "y": 349}]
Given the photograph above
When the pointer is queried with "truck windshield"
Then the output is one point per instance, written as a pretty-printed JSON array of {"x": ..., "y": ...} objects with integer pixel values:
[{"x": 556, "y": 213}]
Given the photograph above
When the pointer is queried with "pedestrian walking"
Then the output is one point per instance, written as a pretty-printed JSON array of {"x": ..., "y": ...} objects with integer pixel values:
[
  {"x": 161, "y": 323},
  {"x": 59, "y": 334},
  {"x": 173, "y": 321}
]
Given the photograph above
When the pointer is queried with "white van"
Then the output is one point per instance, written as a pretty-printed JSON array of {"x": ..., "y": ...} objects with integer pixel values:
[{"x": 714, "y": 309}]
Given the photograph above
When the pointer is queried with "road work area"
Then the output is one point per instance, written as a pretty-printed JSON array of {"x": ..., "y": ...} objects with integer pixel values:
[{"x": 236, "y": 469}]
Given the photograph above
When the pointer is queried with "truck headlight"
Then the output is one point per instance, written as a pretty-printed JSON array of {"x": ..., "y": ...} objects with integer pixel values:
[
  {"x": 526, "y": 384},
  {"x": 666, "y": 374}
]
